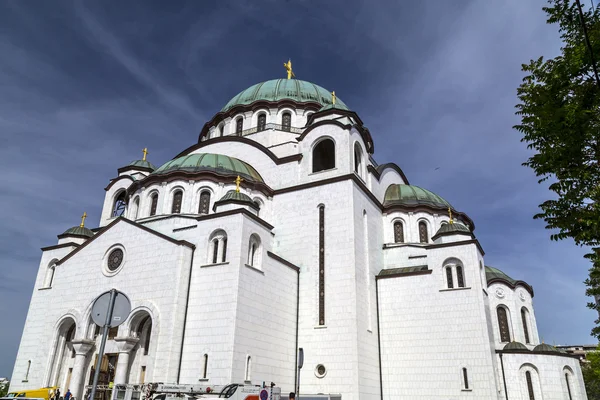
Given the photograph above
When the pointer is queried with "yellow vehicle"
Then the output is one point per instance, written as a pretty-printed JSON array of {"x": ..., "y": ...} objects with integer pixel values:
[{"x": 43, "y": 393}]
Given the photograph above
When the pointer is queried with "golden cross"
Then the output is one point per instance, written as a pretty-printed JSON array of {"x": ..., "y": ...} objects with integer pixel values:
[
  {"x": 237, "y": 181},
  {"x": 333, "y": 97},
  {"x": 145, "y": 151},
  {"x": 288, "y": 67},
  {"x": 450, "y": 215},
  {"x": 83, "y": 217}
]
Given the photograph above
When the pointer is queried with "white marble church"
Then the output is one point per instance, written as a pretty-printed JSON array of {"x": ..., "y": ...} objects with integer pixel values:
[{"x": 382, "y": 283}]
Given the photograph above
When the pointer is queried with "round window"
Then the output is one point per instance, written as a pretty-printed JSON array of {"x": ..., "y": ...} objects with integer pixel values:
[
  {"x": 320, "y": 371},
  {"x": 115, "y": 259}
]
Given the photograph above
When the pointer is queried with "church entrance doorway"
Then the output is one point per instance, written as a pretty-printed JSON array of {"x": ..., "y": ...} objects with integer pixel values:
[{"x": 108, "y": 368}]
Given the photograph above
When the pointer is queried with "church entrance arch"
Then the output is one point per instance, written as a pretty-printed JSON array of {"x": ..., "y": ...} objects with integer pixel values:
[{"x": 63, "y": 354}]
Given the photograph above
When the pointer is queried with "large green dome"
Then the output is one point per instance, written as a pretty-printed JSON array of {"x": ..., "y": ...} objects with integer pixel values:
[
  {"x": 279, "y": 89},
  {"x": 409, "y": 195},
  {"x": 199, "y": 162}
]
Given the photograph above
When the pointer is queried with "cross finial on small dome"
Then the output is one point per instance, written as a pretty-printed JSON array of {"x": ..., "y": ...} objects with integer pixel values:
[
  {"x": 288, "y": 67},
  {"x": 450, "y": 215},
  {"x": 145, "y": 151},
  {"x": 237, "y": 181},
  {"x": 333, "y": 97},
  {"x": 83, "y": 217}
]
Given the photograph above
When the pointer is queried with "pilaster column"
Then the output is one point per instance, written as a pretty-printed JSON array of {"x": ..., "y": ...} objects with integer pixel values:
[
  {"x": 82, "y": 348},
  {"x": 125, "y": 345}
]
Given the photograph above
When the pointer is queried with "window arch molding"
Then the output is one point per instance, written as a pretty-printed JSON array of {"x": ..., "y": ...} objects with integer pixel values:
[
  {"x": 282, "y": 110},
  {"x": 257, "y": 113},
  {"x": 526, "y": 325},
  {"x": 260, "y": 203},
  {"x": 402, "y": 222},
  {"x": 254, "y": 252},
  {"x": 119, "y": 203},
  {"x": 171, "y": 197},
  {"x": 359, "y": 161},
  {"x": 569, "y": 383},
  {"x": 199, "y": 199},
  {"x": 238, "y": 121},
  {"x": 150, "y": 200},
  {"x": 50, "y": 271},
  {"x": 217, "y": 247},
  {"x": 324, "y": 160},
  {"x": 530, "y": 386},
  {"x": 135, "y": 208},
  {"x": 427, "y": 230},
  {"x": 504, "y": 321},
  {"x": 453, "y": 273}
]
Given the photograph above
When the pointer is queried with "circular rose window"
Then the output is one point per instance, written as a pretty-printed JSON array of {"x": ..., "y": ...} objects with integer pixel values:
[{"x": 115, "y": 259}]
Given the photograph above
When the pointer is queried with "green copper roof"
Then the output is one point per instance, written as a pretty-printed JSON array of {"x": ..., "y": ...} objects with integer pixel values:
[
  {"x": 238, "y": 196},
  {"x": 546, "y": 348},
  {"x": 78, "y": 230},
  {"x": 450, "y": 228},
  {"x": 218, "y": 163},
  {"x": 333, "y": 106},
  {"x": 492, "y": 273},
  {"x": 141, "y": 163},
  {"x": 279, "y": 89},
  {"x": 518, "y": 346},
  {"x": 413, "y": 196}
]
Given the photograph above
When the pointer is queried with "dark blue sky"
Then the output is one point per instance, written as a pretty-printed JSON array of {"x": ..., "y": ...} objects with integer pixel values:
[{"x": 85, "y": 87}]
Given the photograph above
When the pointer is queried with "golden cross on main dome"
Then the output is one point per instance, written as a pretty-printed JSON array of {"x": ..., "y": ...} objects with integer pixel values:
[
  {"x": 83, "y": 217},
  {"x": 145, "y": 151},
  {"x": 288, "y": 67},
  {"x": 450, "y": 215},
  {"x": 237, "y": 181},
  {"x": 333, "y": 97}
]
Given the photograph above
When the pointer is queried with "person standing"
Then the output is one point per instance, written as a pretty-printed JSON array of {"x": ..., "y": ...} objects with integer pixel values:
[
  {"x": 57, "y": 394},
  {"x": 68, "y": 394}
]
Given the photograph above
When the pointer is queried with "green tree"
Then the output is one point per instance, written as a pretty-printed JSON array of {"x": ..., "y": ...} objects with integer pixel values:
[
  {"x": 591, "y": 375},
  {"x": 560, "y": 120},
  {"x": 3, "y": 390}
]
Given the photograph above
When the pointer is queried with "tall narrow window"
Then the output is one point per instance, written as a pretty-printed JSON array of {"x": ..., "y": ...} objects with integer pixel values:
[
  {"x": 322, "y": 265},
  {"x": 217, "y": 247},
  {"x": 524, "y": 319},
  {"x": 503, "y": 324},
  {"x": 398, "y": 232},
  {"x": 177, "y": 198},
  {"x": 568, "y": 386},
  {"x": 248, "y": 368},
  {"x": 459, "y": 276},
  {"x": 143, "y": 375},
  {"x": 465, "y": 378},
  {"x": 136, "y": 205},
  {"x": 357, "y": 160},
  {"x": 324, "y": 155},
  {"x": 423, "y": 237},
  {"x": 27, "y": 373},
  {"x": 239, "y": 124},
  {"x": 221, "y": 130},
  {"x": 49, "y": 275},
  {"x": 224, "y": 257},
  {"x": 529, "y": 385},
  {"x": 204, "y": 202},
  {"x": 286, "y": 122},
  {"x": 205, "y": 369},
  {"x": 154, "y": 204},
  {"x": 252, "y": 254},
  {"x": 449, "y": 277},
  {"x": 262, "y": 122},
  {"x": 120, "y": 205},
  {"x": 148, "y": 332},
  {"x": 215, "y": 251}
]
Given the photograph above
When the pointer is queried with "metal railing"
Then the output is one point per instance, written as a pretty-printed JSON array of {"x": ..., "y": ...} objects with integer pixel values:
[{"x": 267, "y": 127}]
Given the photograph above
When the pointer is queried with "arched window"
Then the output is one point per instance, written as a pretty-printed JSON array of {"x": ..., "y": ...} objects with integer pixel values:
[
  {"x": 239, "y": 125},
  {"x": 259, "y": 204},
  {"x": 503, "y": 324},
  {"x": 529, "y": 385},
  {"x": 204, "y": 202},
  {"x": 153, "y": 204},
  {"x": 262, "y": 122},
  {"x": 286, "y": 122},
  {"x": 136, "y": 208},
  {"x": 398, "y": 232},
  {"x": 449, "y": 277},
  {"x": 119, "y": 205},
  {"x": 177, "y": 198},
  {"x": 324, "y": 155},
  {"x": 248, "y": 369},
  {"x": 525, "y": 321},
  {"x": 147, "y": 330},
  {"x": 423, "y": 236},
  {"x": 49, "y": 278},
  {"x": 465, "y": 379},
  {"x": 205, "y": 369},
  {"x": 254, "y": 251},
  {"x": 218, "y": 247},
  {"x": 358, "y": 163},
  {"x": 482, "y": 275},
  {"x": 568, "y": 385},
  {"x": 459, "y": 276},
  {"x": 220, "y": 130}
]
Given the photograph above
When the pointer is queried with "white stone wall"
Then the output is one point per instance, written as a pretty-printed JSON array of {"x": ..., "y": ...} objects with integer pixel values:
[
  {"x": 548, "y": 376},
  {"x": 429, "y": 333}
]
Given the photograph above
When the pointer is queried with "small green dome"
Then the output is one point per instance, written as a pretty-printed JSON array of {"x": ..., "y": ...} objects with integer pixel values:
[
  {"x": 516, "y": 346},
  {"x": 546, "y": 348},
  {"x": 79, "y": 231},
  {"x": 279, "y": 89},
  {"x": 335, "y": 106},
  {"x": 218, "y": 163},
  {"x": 238, "y": 196},
  {"x": 453, "y": 227},
  {"x": 409, "y": 195},
  {"x": 142, "y": 164},
  {"x": 492, "y": 274}
]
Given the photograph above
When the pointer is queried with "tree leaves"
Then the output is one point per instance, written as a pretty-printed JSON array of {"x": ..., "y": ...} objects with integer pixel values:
[{"x": 560, "y": 120}]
